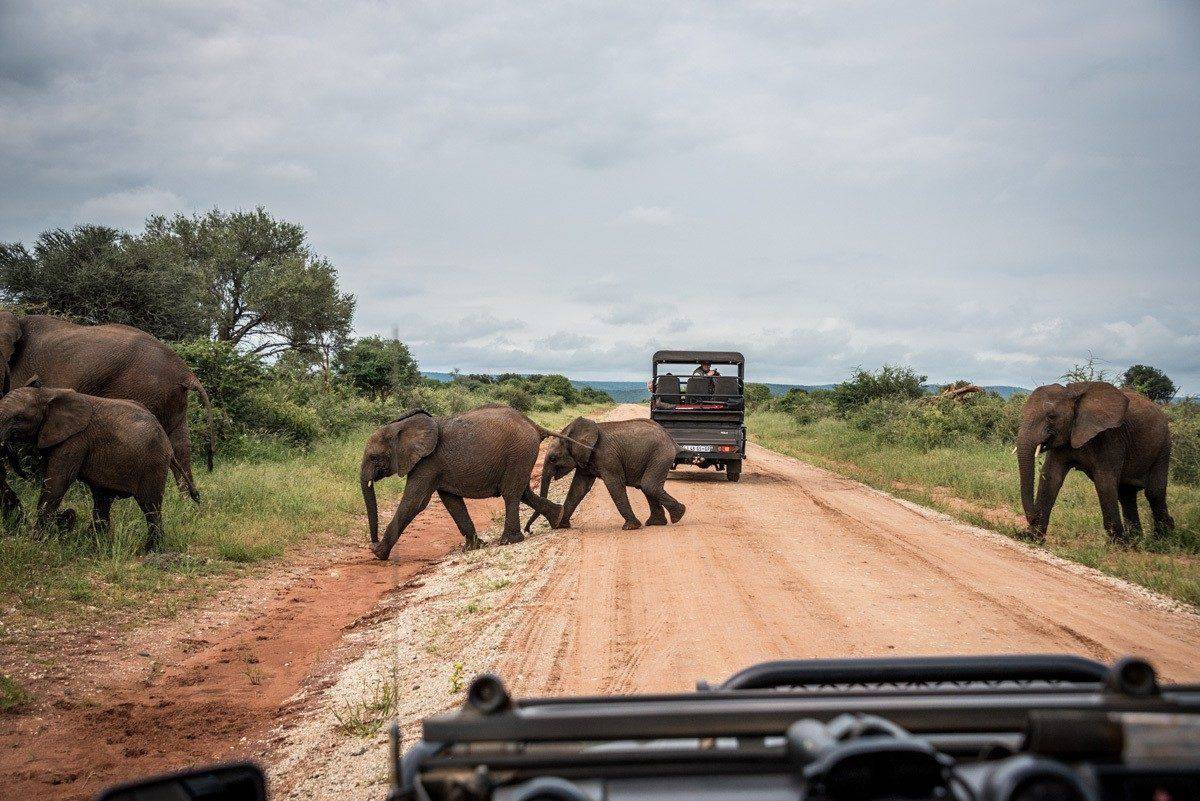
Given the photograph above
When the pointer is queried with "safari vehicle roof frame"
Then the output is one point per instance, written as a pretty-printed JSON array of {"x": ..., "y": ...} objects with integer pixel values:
[
  {"x": 943, "y": 695},
  {"x": 698, "y": 356}
]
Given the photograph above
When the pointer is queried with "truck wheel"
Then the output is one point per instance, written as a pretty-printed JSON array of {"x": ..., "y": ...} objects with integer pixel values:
[{"x": 733, "y": 471}]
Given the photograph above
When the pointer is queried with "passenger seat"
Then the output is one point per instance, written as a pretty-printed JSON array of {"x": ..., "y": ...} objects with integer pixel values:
[
  {"x": 668, "y": 388},
  {"x": 699, "y": 388},
  {"x": 728, "y": 391}
]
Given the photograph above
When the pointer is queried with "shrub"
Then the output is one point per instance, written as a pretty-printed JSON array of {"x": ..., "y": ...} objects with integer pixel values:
[
  {"x": 757, "y": 396},
  {"x": 378, "y": 367},
  {"x": 516, "y": 397},
  {"x": 1185, "y": 441},
  {"x": 548, "y": 403},
  {"x": 890, "y": 381},
  {"x": 1151, "y": 382}
]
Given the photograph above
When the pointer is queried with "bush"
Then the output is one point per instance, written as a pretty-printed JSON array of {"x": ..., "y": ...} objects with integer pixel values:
[
  {"x": 890, "y": 381},
  {"x": 1185, "y": 441},
  {"x": 548, "y": 403},
  {"x": 516, "y": 397},
  {"x": 757, "y": 396},
  {"x": 378, "y": 367},
  {"x": 1151, "y": 382}
]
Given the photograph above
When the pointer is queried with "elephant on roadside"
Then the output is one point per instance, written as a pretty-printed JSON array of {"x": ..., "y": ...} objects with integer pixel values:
[
  {"x": 107, "y": 361},
  {"x": 621, "y": 453},
  {"x": 487, "y": 452},
  {"x": 1118, "y": 437},
  {"x": 116, "y": 447}
]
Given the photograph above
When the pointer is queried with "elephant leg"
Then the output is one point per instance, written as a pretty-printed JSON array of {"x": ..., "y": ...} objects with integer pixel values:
[
  {"x": 1127, "y": 495},
  {"x": 616, "y": 488},
  {"x": 652, "y": 485},
  {"x": 1106, "y": 491},
  {"x": 151, "y": 506},
  {"x": 10, "y": 504},
  {"x": 458, "y": 510},
  {"x": 581, "y": 485},
  {"x": 657, "y": 517},
  {"x": 1053, "y": 474},
  {"x": 512, "y": 519},
  {"x": 62, "y": 468},
  {"x": 416, "y": 497},
  {"x": 551, "y": 510},
  {"x": 181, "y": 466},
  {"x": 101, "y": 510},
  {"x": 1156, "y": 495}
]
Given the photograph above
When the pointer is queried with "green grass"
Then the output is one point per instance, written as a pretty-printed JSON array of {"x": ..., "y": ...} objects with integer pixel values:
[
  {"x": 256, "y": 509},
  {"x": 977, "y": 482},
  {"x": 13, "y": 697}
]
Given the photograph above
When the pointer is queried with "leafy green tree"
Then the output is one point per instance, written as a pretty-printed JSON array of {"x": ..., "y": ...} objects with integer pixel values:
[
  {"x": 378, "y": 367},
  {"x": 756, "y": 395},
  {"x": 264, "y": 288},
  {"x": 555, "y": 384},
  {"x": 1090, "y": 370},
  {"x": 890, "y": 381},
  {"x": 97, "y": 274},
  {"x": 1151, "y": 382}
]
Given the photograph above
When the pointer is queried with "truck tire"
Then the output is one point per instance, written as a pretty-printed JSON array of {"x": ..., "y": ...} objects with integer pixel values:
[{"x": 733, "y": 471}]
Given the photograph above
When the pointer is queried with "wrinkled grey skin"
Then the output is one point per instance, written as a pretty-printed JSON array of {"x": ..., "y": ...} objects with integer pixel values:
[
  {"x": 115, "y": 447},
  {"x": 1119, "y": 438},
  {"x": 622, "y": 453},
  {"x": 107, "y": 361},
  {"x": 487, "y": 452}
]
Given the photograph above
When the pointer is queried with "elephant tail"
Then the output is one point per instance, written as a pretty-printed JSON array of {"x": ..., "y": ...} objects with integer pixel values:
[
  {"x": 210, "y": 442},
  {"x": 545, "y": 432}
]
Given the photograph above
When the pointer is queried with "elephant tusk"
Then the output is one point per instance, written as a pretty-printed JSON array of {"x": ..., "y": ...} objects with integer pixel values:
[
  {"x": 370, "y": 483},
  {"x": 1037, "y": 451},
  {"x": 1014, "y": 450}
]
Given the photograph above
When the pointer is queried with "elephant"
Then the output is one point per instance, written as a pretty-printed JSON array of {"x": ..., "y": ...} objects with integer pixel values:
[
  {"x": 1118, "y": 437},
  {"x": 116, "y": 447},
  {"x": 487, "y": 452},
  {"x": 108, "y": 361},
  {"x": 621, "y": 453}
]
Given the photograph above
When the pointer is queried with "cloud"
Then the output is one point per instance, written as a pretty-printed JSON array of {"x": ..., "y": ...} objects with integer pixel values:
[
  {"x": 128, "y": 208},
  {"x": 661, "y": 216}
]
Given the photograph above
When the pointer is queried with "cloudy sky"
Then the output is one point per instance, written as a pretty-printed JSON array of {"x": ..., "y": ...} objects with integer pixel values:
[{"x": 988, "y": 191}]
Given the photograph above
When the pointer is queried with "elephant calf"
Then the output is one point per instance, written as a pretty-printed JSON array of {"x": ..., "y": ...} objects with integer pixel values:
[
  {"x": 621, "y": 453},
  {"x": 1119, "y": 438},
  {"x": 116, "y": 447},
  {"x": 487, "y": 452}
]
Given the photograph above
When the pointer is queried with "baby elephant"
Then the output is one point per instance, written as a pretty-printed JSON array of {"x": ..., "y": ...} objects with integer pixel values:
[
  {"x": 621, "y": 453},
  {"x": 116, "y": 447}
]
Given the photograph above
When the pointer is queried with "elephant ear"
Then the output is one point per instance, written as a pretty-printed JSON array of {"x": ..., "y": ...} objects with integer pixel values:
[
  {"x": 586, "y": 435},
  {"x": 1099, "y": 406},
  {"x": 415, "y": 437},
  {"x": 67, "y": 414},
  {"x": 10, "y": 335}
]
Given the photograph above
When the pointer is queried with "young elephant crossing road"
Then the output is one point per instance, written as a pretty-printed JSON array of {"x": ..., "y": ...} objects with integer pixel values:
[{"x": 621, "y": 453}]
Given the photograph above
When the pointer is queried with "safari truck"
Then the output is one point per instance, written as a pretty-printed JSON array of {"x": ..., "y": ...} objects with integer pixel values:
[{"x": 704, "y": 414}]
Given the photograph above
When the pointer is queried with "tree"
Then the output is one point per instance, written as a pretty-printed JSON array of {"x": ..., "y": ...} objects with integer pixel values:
[
  {"x": 97, "y": 274},
  {"x": 378, "y": 366},
  {"x": 890, "y": 381},
  {"x": 756, "y": 395},
  {"x": 1090, "y": 370},
  {"x": 1151, "y": 382},
  {"x": 265, "y": 290}
]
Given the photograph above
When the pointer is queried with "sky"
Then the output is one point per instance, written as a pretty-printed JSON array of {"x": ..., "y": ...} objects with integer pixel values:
[{"x": 989, "y": 191}]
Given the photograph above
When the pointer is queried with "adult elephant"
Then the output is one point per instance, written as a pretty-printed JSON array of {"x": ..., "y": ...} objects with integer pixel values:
[
  {"x": 108, "y": 361},
  {"x": 621, "y": 453},
  {"x": 1118, "y": 437},
  {"x": 487, "y": 452}
]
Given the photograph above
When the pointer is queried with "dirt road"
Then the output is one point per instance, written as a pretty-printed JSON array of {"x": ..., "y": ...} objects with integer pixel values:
[{"x": 793, "y": 561}]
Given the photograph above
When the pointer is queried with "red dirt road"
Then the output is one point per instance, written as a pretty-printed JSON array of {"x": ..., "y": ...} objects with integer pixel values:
[{"x": 794, "y": 561}]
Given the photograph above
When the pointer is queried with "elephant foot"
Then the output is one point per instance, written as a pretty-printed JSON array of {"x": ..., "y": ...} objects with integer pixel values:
[
  {"x": 563, "y": 524},
  {"x": 66, "y": 519},
  {"x": 472, "y": 544},
  {"x": 380, "y": 552},
  {"x": 677, "y": 515},
  {"x": 554, "y": 519},
  {"x": 631, "y": 525},
  {"x": 509, "y": 539},
  {"x": 656, "y": 521}
]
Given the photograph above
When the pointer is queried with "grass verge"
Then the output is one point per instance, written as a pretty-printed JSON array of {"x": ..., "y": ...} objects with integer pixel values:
[
  {"x": 977, "y": 482},
  {"x": 255, "y": 509}
]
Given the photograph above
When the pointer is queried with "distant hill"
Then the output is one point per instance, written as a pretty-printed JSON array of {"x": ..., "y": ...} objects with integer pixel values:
[{"x": 635, "y": 391}]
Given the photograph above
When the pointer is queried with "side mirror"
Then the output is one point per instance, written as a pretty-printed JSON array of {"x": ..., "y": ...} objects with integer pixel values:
[{"x": 219, "y": 783}]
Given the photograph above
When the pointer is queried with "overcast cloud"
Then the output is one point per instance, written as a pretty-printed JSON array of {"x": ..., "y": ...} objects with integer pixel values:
[{"x": 988, "y": 191}]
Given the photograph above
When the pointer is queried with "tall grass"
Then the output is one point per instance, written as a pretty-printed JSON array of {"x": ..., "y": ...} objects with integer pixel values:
[
  {"x": 984, "y": 476},
  {"x": 256, "y": 507}
]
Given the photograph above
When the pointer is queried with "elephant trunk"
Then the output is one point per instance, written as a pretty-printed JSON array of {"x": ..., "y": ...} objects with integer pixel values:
[
  {"x": 1027, "y": 448},
  {"x": 543, "y": 491},
  {"x": 368, "y": 492}
]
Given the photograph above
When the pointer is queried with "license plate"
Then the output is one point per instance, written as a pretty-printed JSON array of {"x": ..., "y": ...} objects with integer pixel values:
[{"x": 699, "y": 448}]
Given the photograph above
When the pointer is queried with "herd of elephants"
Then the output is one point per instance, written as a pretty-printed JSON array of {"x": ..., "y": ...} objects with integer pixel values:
[{"x": 107, "y": 405}]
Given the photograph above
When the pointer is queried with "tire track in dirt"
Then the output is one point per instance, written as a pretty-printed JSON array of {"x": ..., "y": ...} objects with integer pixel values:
[{"x": 794, "y": 561}]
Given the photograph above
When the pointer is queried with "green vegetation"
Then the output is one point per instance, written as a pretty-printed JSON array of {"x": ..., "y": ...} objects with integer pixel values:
[
  {"x": 1151, "y": 382},
  {"x": 13, "y": 697},
  {"x": 954, "y": 454}
]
